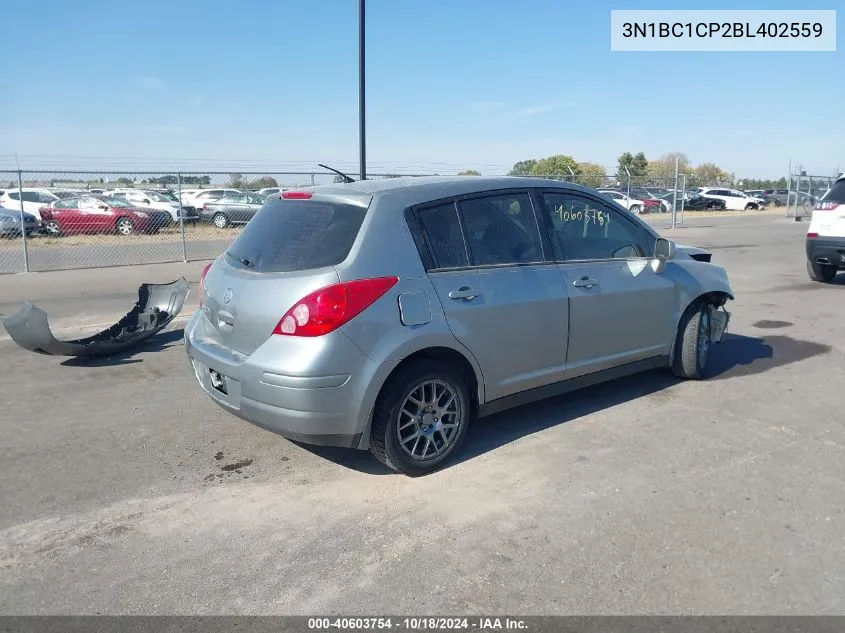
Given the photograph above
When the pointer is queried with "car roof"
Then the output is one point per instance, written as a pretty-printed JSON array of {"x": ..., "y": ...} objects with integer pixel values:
[{"x": 420, "y": 189}]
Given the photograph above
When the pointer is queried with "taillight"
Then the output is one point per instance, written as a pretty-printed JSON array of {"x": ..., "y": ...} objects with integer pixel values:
[
  {"x": 329, "y": 308},
  {"x": 296, "y": 195},
  {"x": 812, "y": 235},
  {"x": 203, "y": 273},
  {"x": 826, "y": 206}
]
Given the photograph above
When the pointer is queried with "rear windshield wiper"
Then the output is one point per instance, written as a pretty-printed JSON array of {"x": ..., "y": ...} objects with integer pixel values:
[{"x": 243, "y": 261}]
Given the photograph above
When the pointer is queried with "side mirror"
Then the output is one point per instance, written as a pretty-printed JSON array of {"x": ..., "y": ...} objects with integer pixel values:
[
  {"x": 145, "y": 201},
  {"x": 103, "y": 206},
  {"x": 664, "y": 250}
]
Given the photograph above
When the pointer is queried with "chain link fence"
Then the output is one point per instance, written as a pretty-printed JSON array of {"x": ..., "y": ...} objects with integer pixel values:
[
  {"x": 803, "y": 193},
  {"x": 60, "y": 220}
]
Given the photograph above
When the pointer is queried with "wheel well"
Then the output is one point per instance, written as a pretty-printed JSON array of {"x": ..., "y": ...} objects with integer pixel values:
[
  {"x": 717, "y": 298},
  {"x": 450, "y": 357}
]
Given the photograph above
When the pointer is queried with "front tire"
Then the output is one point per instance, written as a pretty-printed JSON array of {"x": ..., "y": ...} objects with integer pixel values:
[
  {"x": 692, "y": 349},
  {"x": 750, "y": 206},
  {"x": 636, "y": 209},
  {"x": 52, "y": 228},
  {"x": 420, "y": 418},
  {"x": 124, "y": 226},
  {"x": 824, "y": 273},
  {"x": 220, "y": 220}
]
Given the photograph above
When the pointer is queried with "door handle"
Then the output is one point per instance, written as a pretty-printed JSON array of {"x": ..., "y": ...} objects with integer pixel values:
[
  {"x": 584, "y": 282},
  {"x": 464, "y": 292}
]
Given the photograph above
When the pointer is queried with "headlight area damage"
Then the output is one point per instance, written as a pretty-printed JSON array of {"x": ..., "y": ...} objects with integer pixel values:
[{"x": 158, "y": 305}]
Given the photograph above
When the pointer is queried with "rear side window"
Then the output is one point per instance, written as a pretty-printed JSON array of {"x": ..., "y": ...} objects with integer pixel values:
[
  {"x": 290, "y": 235},
  {"x": 502, "y": 229},
  {"x": 836, "y": 193},
  {"x": 442, "y": 230}
]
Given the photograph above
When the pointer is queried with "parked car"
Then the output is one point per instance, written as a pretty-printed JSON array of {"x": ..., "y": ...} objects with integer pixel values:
[
  {"x": 33, "y": 200},
  {"x": 633, "y": 205},
  {"x": 11, "y": 226},
  {"x": 233, "y": 208},
  {"x": 93, "y": 214},
  {"x": 202, "y": 196},
  {"x": 767, "y": 198},
  {"x": 269, "y": 191},
  {"x": 734, "y": 200},
  {"x": 153, "y": 200},
  {"x": 696, "y": 202},
  {"x": 825, "y": 242},
  {"x": 658, "y": 192},
  {"x": 651, "y": 203},
  {"x": 386, "y": 314}
]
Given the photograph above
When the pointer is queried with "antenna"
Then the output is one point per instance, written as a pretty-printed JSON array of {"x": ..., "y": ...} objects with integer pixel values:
[{"x": 339, "y": 173}]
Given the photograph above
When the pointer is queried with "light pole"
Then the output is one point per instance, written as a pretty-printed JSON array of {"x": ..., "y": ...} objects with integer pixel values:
[{"x": 362, "y": 118}]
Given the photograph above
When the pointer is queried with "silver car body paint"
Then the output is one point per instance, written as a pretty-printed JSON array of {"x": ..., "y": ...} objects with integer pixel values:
[{"x": 531, "y": 326}]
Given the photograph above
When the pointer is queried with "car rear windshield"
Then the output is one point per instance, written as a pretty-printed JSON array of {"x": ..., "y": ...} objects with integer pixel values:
[
  {"x": 290, "y": 235},
  {"x": 836, "y": 193}
]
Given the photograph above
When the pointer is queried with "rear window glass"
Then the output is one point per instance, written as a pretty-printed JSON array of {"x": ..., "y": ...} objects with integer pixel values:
[
  {"x": 290, "y": 235},
  {"x": 836, "y": 193}
]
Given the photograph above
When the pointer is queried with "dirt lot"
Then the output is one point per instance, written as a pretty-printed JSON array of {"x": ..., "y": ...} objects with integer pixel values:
[{"x": 126, "y": 490}]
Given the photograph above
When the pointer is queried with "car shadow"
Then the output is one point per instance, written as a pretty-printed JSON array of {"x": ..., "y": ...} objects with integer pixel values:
[
  {"x": 156, "y": 343},
  {"x": 737, "y": 355}
]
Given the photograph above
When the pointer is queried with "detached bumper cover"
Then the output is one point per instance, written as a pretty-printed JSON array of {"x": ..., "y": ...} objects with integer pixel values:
[{"x": 157, "y": 306}]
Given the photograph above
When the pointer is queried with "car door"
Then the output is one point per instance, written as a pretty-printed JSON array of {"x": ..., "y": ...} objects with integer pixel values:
[
  {"x": 620, "y": 310},
  {"x": 254, "y": 202},
  {"x": 502, "y": 299},
  {"x": 93, "y": 218},
  {"x": 236, "y": 207},
  {"x": 66, "y": 213}
]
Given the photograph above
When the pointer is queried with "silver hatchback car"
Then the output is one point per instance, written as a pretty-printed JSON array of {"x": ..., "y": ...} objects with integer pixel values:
[{"x": 385, "y": 315}]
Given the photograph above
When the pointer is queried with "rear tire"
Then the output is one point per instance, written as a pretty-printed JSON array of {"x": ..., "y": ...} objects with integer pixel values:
[
  {"x": 636, "y": 209},
  {"x": 420, "y": 418},
  {"x": 220, "y": 220},
  {"x": 824, "y": 273},
  {"x": 692, "y": 348},
  {"x": 750, "y": 206}
]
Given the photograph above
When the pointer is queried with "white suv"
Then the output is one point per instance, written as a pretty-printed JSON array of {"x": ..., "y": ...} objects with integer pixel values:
[
  {"x": 142, "y": 198},
  {"x": 826, "y": 235},
  {"x": 33, "y": 200},
  {"x": 734, "y": 200}
]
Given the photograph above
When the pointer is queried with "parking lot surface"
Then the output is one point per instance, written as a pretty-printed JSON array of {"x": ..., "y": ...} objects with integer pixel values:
[{"x": 125, "y": 490}]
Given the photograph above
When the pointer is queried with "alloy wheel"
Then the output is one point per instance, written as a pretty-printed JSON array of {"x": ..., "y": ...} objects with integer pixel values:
[{"x": 429, "y": 419}]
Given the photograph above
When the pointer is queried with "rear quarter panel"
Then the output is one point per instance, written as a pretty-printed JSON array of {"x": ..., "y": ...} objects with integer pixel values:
[{"x": 385, "y": 247}]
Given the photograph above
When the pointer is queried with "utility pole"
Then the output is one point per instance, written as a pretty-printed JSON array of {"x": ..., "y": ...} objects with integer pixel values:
[{"x": 362, "y": 118}]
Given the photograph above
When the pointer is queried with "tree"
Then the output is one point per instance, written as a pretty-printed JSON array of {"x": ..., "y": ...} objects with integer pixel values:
[
  {"x": 236, "y": 181},
  {"x": 123, "y": 180},
  {"x": 637, "y": 164},
  {"x": 262, "y": 183},
  {"x": 707, "y": 174},
  {"x": 557, "y": 165},
  {"x": 523, "y": 167},
  {"x": 469, "y": 172},
  {"x": 591, "y": 174},
  {"x": 663, "y": 169}
]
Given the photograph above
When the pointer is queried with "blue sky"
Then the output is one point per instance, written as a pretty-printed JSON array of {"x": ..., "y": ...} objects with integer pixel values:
[{"x": 450, "y": 84}]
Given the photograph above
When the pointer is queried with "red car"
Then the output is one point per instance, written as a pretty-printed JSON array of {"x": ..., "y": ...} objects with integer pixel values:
[{"x": 91, "y": 214}]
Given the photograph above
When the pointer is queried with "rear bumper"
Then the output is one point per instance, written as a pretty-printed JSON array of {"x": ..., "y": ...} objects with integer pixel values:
[
  {"x": 321, "y": 408},
  {"x": 826, "y": 250}
]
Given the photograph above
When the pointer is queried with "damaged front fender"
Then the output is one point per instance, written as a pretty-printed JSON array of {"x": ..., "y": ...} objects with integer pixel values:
[{"x": 157, "y": 306}]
